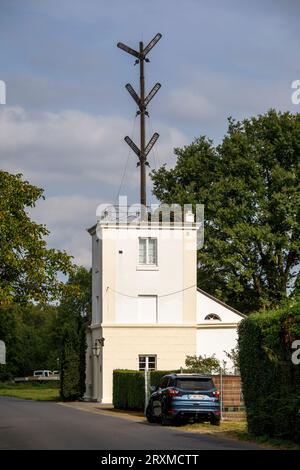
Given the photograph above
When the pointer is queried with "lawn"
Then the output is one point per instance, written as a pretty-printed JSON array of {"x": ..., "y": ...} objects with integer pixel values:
[
  {"x": 238, "y": 430},
  {"x": 29, "y": 391}
]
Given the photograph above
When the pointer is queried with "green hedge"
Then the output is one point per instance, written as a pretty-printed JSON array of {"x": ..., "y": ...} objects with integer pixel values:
[
  {"x": 271, "y": 382},
  {"x": 129, "y": 387}
]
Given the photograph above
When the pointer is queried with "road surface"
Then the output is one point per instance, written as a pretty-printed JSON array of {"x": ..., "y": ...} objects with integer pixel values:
[{"x": 46, "y": 425}]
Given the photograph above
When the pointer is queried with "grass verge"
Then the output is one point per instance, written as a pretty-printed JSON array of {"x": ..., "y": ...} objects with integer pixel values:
[
  {"x": 29, "y": 391},
  {"x": 238, "y": 430}
]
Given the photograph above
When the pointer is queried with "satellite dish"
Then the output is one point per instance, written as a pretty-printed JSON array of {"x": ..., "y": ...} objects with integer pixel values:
[{"x": 2, "y": 352}]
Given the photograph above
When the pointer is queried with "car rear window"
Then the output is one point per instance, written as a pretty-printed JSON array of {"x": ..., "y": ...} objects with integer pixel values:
[{"x": 194, "y": 384}]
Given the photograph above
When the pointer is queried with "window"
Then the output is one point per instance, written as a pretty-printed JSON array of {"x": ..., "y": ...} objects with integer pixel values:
[
  {"x": 147, "y": 362},
  {"x": 148, "y": 251},
  {"x": 194, "y": 384},
  {"x": 212, "y": 316}
]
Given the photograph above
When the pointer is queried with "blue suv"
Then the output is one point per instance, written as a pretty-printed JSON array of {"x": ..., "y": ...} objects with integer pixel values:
[{"x": 184, "y": 397}]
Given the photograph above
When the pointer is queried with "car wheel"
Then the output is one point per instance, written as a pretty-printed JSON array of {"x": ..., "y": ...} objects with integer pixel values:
[{"x": 149, "y": 415}]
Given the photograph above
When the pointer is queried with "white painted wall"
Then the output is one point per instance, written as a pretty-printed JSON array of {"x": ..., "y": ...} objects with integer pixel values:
[
  {"x": 206, "y": 305},
  {"x": 96, "y": 280},
  {"x": 212, "y": 338},
  {"x": 132, "y": 280},
  {"x": 215, "y": 341}
]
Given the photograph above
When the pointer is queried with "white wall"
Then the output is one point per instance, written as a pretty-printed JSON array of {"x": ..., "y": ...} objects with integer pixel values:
[
  {"x": 206, "y": 305},
  {"x": 96, "y": 280},
  {"x": 132, "y": 280},
  {"x": 212, "y": 338},
  {"x": 215, "y": 341}
]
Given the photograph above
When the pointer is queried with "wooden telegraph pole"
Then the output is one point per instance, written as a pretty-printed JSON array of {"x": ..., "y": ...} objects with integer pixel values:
[{"x": 142, "y": 103}]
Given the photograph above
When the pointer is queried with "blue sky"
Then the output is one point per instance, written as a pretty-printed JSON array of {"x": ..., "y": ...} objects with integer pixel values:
[{"x": 67, "y": 110}]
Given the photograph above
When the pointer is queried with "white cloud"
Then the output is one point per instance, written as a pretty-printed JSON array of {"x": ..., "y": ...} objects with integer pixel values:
[
  {"x": 70, "y": 146},
  {"x": 67, "y": 218},
  {"x": 79, "y": 159},
  {"x": 189, "y": 104}
]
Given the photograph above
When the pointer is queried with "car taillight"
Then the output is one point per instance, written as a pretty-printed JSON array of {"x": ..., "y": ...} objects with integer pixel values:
[
  {"x": 172, "y": 392},
  {"x": 216, "y": 394}
]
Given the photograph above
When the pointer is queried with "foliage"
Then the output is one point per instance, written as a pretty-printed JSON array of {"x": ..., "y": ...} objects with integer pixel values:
[
  {"x": 203, "y": 364},
  {"x": 49, "y": 336},
  {"x": 234, "y": 356},
  {"x": 128, "y": 389},
  {"x": 31, "y": 343},
  {"x": 249, "y": 185},
  {"x": 157, "y": 375},
  {"x": 74, "y": 314},
  {"x": 70, "y": 366},
  {"x": 271, "y": 382},
  {"x": 28, "y": 270}
]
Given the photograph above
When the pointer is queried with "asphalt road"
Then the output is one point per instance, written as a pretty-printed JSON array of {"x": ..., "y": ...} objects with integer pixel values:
[{"x": 45, "y": 425}]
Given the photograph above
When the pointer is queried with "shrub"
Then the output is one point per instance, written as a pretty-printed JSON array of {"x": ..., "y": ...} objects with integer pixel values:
[
  {"x": 203, "y": 364},
  {"x": 128, "y": 389},
  {"x": 271, "y": 382},
  {"x": 70, "y": 367}
]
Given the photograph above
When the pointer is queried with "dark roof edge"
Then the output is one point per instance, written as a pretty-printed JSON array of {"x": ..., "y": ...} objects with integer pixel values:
[
  {"x": 221, "y": 303},
  {"x": 92, "y": 229}
]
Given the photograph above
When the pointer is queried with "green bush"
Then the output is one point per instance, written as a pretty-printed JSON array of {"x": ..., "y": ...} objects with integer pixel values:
[
  {"x": 156, "y": 375},
  {"x": 271, "y": 382},
  {"x": 70, "y": 367},
  {"x": 129, "y": 387}
]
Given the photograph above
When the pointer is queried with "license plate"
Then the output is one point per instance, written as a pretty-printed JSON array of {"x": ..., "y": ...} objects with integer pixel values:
[{"x": 200, "y": 397}]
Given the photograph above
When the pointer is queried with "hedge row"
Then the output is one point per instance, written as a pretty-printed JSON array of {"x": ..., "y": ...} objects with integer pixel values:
[
  {"x": 271, "y": 382},
  {"x": 129, "y": 387}
]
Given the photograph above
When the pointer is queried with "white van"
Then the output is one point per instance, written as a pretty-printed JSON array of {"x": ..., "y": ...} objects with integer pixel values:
[{"x": 42, "y": 373}]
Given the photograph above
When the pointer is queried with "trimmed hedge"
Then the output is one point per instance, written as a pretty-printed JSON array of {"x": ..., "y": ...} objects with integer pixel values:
[
  {"x": 129, "y": 387},
  {"x": 270, "y": 381}
]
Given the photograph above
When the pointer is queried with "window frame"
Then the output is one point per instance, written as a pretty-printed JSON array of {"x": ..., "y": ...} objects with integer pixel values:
[
  {"x": 214, "y": 317},
  {"x": 147, "y": 263},
  {"x": 147, "y": 356}
]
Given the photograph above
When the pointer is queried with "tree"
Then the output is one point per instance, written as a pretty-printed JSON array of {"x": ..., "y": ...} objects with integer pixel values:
[
  {"x": 70, "y": 365},
  {"x": 203, "y": 364},
  {"x": 74, "y": 314},
  {"x": 29, "y": 333},
  {"x": 234, "y": 356},
  {"x": 249, "y": 185},
  {"x": 28, "y": 270}
]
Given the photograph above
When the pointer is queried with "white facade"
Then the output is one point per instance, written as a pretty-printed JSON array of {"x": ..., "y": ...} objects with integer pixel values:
[
  {"x": 149, "y": 309},
  {"x": 216, "y": 328}
]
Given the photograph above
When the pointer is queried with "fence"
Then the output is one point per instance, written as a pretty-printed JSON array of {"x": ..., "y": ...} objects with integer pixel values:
[{"x": 231, "y": 391}]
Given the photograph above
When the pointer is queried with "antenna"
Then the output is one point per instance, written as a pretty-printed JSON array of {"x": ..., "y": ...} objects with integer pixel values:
[{"x": 142, "y": 103}]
